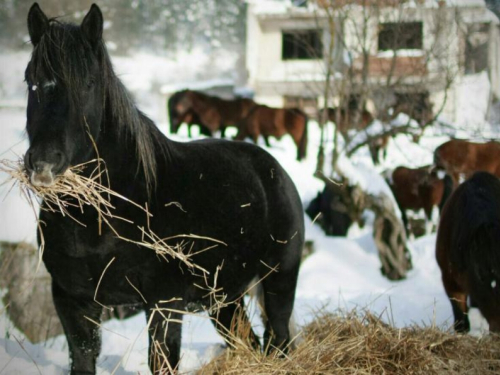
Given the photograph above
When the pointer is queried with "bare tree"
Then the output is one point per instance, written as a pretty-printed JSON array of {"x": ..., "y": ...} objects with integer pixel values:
[{"x": 381, "y": 57}]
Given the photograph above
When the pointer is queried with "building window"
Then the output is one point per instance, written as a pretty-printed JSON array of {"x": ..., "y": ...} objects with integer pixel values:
[
  {"x": 402, "y": 35},
  {"x": 476, "y": 48},
  {"x": 302, "y": 45}
]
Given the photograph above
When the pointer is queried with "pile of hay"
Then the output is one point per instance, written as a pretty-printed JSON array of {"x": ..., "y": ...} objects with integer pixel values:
[{"x": 366, "y": 345}]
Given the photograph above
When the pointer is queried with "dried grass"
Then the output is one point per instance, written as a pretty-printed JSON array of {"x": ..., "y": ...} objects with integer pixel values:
[
  {"x": 364, "y": 344},
  {"x": 74, "y": 190}
]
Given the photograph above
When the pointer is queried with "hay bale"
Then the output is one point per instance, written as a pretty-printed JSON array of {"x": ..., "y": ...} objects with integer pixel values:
[
  {"x": 28, "y": 299},
  {"x": 364, "y": 344}
]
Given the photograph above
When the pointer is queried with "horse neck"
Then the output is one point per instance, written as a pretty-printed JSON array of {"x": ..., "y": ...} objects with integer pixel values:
[{"x": 131, "y": 155}]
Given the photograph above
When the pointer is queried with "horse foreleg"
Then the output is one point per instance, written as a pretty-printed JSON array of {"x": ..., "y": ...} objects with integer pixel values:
[
  {"x": 232, "y": 322},
  {"x": 458, "y": 299},
  {"x": 164, "y": 340},
  {"x": 80, "y": 320},
  {"x": 266, "y": 140}
]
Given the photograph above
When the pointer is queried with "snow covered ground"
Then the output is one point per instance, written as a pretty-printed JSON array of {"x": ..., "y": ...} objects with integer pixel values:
[{"x": 342, "y": 273}]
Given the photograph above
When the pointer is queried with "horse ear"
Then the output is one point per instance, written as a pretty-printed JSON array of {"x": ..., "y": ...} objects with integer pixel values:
[
  {"x": 37, "y": 23},
  {"x": 92, "y": 25}
]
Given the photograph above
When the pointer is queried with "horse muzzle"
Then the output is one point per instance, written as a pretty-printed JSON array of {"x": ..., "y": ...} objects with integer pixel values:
[{"x": 43, "y": 173}]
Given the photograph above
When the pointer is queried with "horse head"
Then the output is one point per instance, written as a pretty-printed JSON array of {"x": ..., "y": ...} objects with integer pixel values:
[{"x": 65, "y": 93}]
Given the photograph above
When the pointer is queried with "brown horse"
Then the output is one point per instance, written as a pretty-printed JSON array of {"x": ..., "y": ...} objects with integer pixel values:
[
  {"x": 212, "y": 112},
  {"x": 467, "y": 249},
  {"x": 276, "y": 122},
  {"x": 416, "y": 189},
  {"x": 179, "y": 116},
  {"x": 349, "y": 119},
  {"x": 353, "y": 119},
  {"x": 461, "y": 158}
]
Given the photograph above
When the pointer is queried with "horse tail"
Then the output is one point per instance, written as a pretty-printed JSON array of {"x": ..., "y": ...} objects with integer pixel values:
[
  {"x": 476, "y": 233},
  {"x": 302, "y": 147}
]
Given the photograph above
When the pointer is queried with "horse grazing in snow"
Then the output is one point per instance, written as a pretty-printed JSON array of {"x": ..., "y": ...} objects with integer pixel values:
[
  {"x": 275, "y": 122},
  {"x": 210, "y": 112},
  {"x": 242, "y": 208},
  {"x": 416, "y": 189}
]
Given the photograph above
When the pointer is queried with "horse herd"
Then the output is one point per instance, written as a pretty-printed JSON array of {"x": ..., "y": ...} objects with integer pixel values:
[
  {"x": 464, "y": 183},
  {"x": 252, "y": 120},
  {"x": 229, "y": 207}
]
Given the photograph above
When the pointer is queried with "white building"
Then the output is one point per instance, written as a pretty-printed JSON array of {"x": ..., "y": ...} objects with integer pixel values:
[{"x": 436, "y": 43}]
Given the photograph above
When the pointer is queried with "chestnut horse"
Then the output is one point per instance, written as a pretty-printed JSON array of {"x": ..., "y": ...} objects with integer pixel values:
[
  {"x": 212, "y": 112},
  {"x": 276, "y": 122},
  {"x": 461, "y": 158},
  {"x": 416, "y": 189},
  {"x": 468, "y": 252}
]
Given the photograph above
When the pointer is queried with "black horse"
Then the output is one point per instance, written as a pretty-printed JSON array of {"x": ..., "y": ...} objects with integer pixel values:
[
  {"x": 467, "y": 249},
  {"x": 242, "y": 209},
  {"x": 334, "y": 218}
]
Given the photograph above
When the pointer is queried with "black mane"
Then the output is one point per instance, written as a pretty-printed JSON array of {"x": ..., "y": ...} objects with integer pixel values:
[{"x": 65, "y": 55}]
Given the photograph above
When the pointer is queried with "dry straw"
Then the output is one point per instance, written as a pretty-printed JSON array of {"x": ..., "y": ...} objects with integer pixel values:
[
  {"x": 356, "y": 343},
  {"x": 74, "y": 190}
]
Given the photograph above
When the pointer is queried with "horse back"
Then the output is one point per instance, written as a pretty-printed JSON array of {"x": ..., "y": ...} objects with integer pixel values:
[
  {"x": 463, "y": 157},
  {"x": 235, "y": 192}
]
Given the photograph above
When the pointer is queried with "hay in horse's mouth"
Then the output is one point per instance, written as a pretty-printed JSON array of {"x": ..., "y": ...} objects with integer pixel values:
[{"x": 74, "y": 190}]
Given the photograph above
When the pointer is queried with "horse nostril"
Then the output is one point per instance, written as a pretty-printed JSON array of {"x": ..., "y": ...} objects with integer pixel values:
[
  {"x": 28, "y": 160},
  {"x": 59, "y": 161}
]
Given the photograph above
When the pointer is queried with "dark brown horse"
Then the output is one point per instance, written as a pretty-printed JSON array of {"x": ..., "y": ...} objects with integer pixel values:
[
  {"x": 276, "y": 122},
  {"x": 468, "y": 252},
  {"x": 188, "y": 116},
  {"x": 461, "y": 158},
  {"x": 211, "y": 112},
  {"x": 416, "y": 189}
]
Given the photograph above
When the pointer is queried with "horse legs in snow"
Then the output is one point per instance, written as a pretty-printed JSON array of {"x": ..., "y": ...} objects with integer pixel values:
[
  {"x": 266, "y": 140},
  {"x": 164, "y": 339},
  {"x": 231, "y": 322},
  {"x": 279, "y": 294},
  {"x": 222, "y": 131},
  {"x": 458, "y": 299},
  {"x": 79, "y": 319}
]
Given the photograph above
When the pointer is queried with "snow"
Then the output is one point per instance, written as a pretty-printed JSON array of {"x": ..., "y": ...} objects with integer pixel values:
[{"x": 342, "y": 273}]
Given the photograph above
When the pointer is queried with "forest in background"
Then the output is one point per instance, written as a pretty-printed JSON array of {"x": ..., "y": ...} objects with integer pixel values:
[{"x": 158, "y": 26}]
